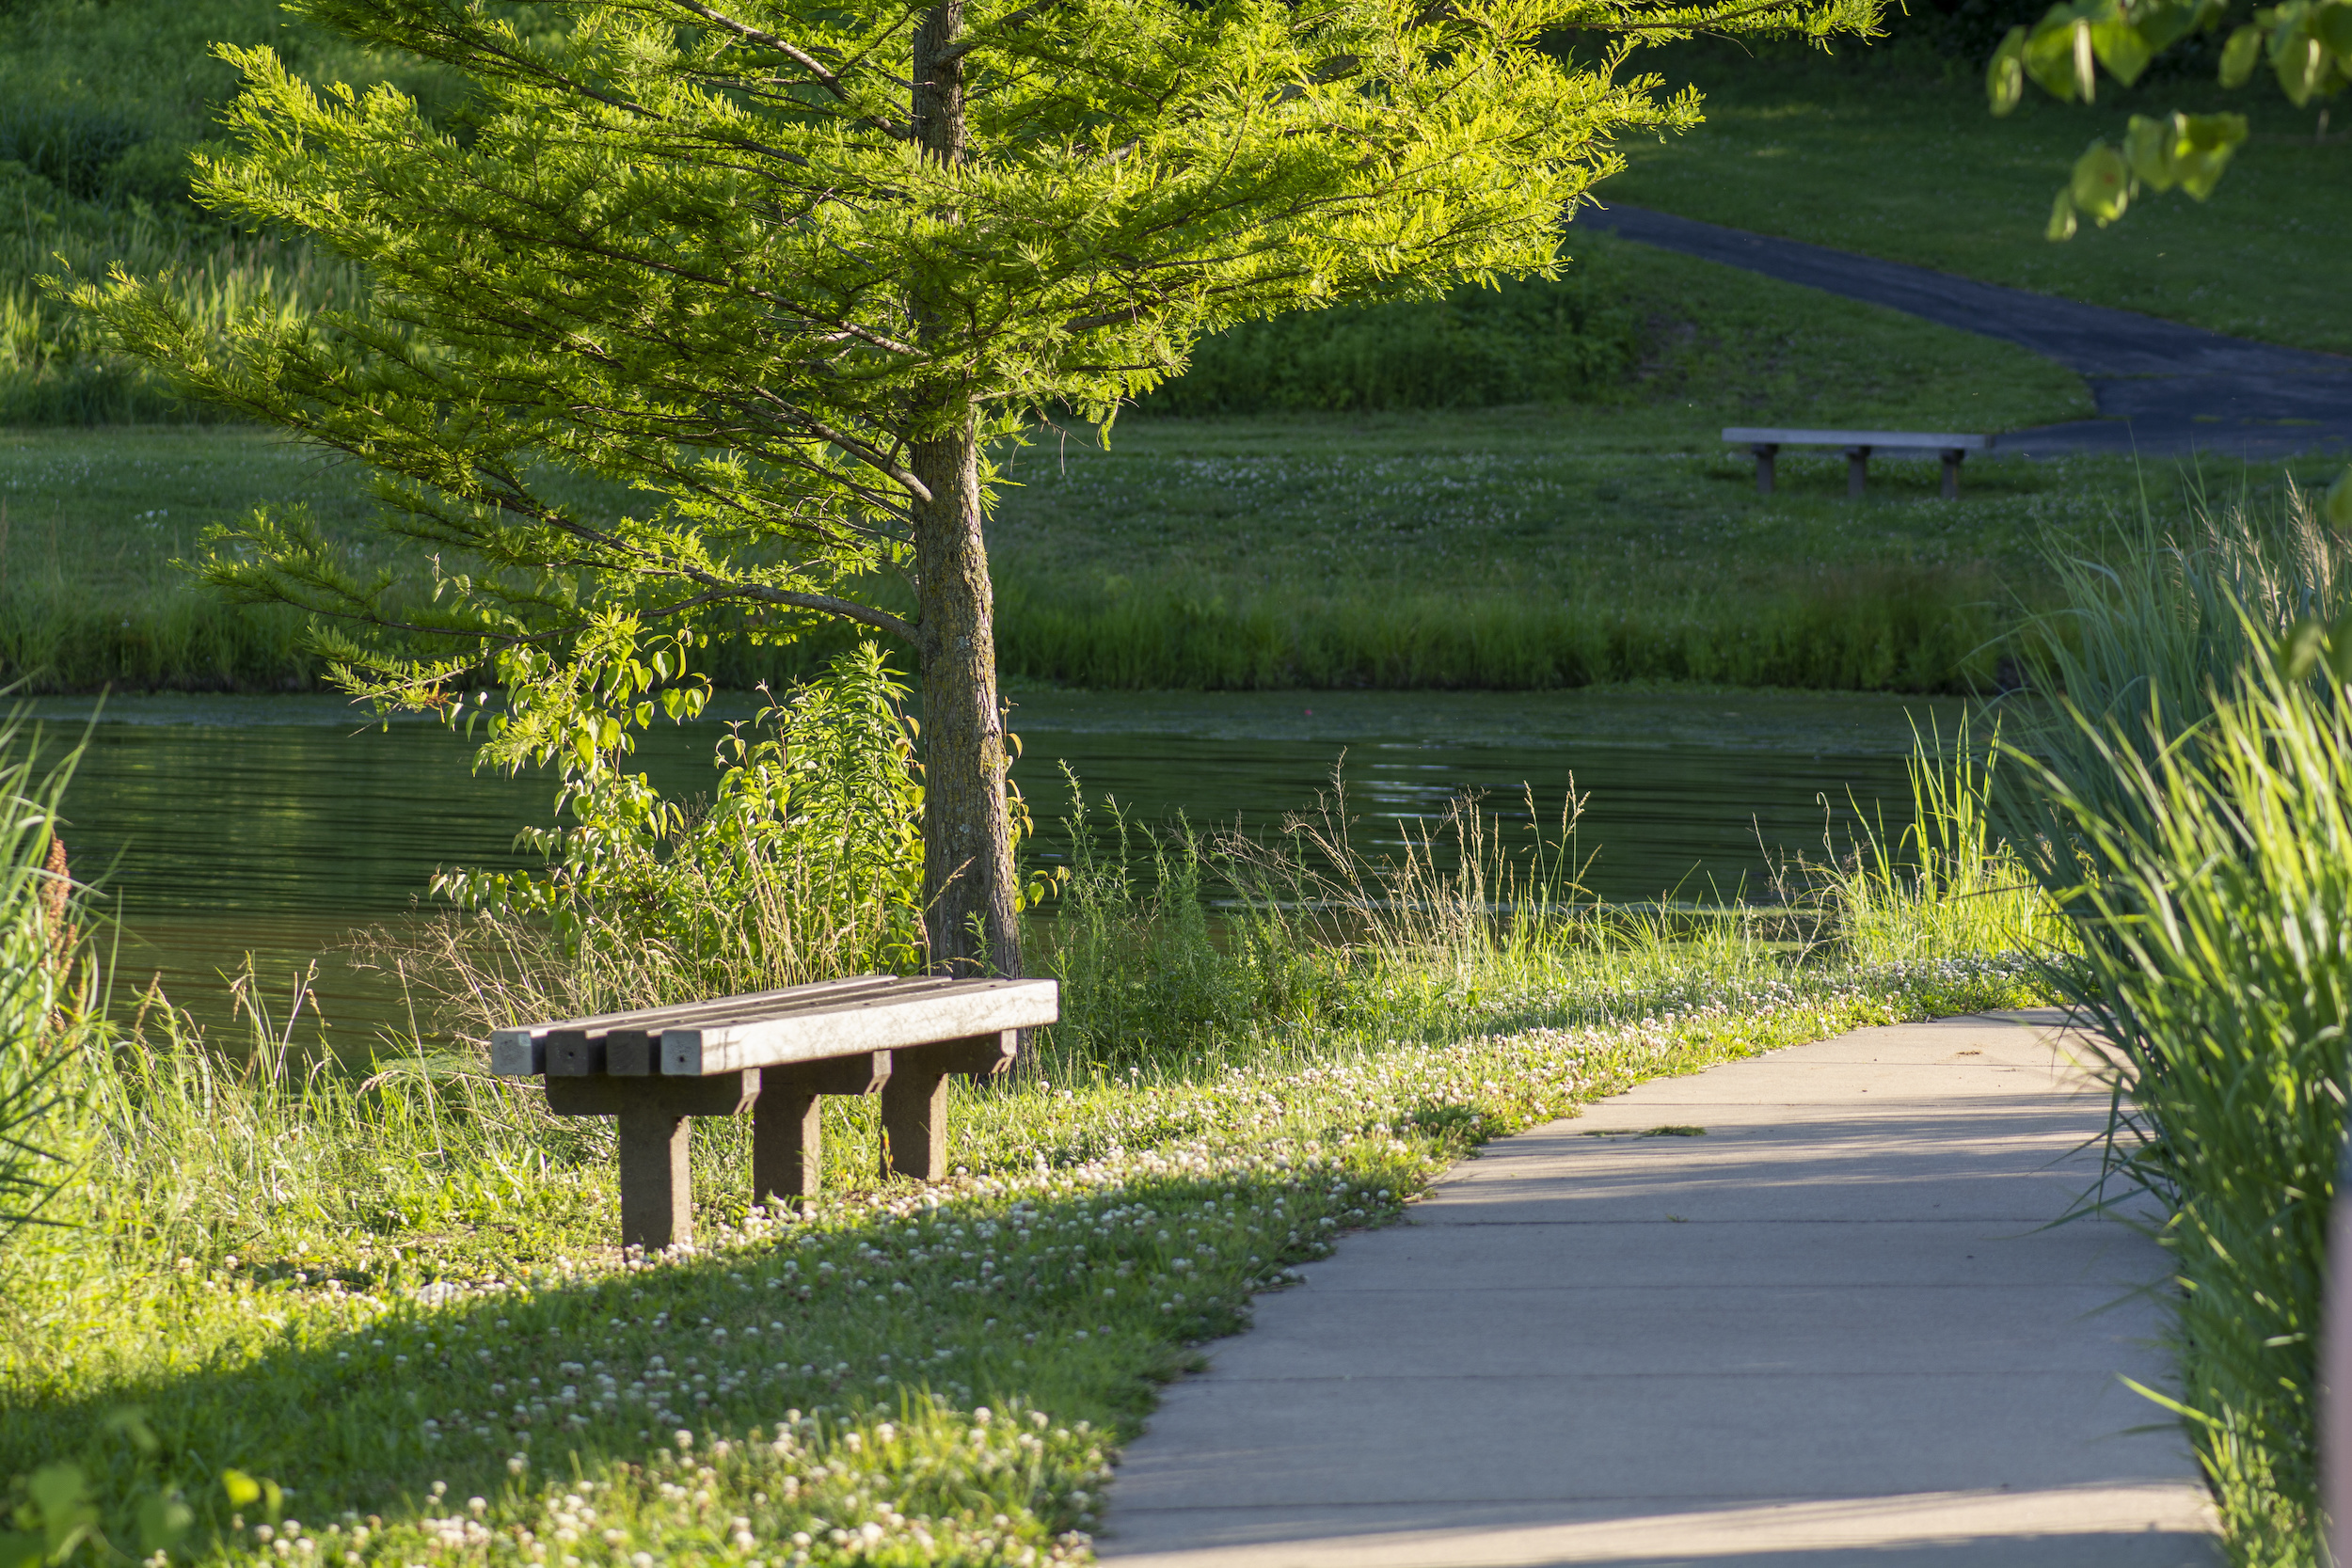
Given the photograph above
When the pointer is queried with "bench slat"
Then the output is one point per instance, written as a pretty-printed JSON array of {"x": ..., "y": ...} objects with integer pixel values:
[
  {"x": 1882, "y": 439},
  {"x": 522, "y": 1052},
  {"x": 942, "y": 1010}
]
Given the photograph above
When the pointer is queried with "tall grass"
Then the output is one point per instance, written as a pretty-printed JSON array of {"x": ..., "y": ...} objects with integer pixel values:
[
  {"x": 1531, "y": 341},
  {"x": 43, "y": 1001},
  {"x": 1948, "y": 881},
  {"x": 55, "y": 369},
  {"x": 2191, "y": 815}
]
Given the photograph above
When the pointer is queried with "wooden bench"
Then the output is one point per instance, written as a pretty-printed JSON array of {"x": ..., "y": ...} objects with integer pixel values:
[
  {"x": 776, "y": 1054},
  {"x": 1859, "y": 444}
]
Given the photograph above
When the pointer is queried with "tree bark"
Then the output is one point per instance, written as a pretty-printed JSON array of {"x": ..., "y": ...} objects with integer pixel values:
[
  {"x": 967, "y": 856},
  {"x": 967, "y": 860}
]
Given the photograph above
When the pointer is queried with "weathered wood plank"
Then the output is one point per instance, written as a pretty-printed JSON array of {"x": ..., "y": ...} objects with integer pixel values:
[
  {"x": 722, "y": 1094},
  {"x": 1913, "y": 440},
  {"x": 510, "y": 1048},
  {"x": 957, "y": 1009},
  {"x": 657, "y": 1192},
  {"x": 520, "y": 1051}
]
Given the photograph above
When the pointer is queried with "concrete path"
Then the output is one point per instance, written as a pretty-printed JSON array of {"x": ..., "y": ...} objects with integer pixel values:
[
  {"x": 1828, "y": 1331},
  {"x": 2161, "y": 387}
]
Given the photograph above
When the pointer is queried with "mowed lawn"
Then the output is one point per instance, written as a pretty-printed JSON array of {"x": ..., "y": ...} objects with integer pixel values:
[{"x": 1892, "y": 153}]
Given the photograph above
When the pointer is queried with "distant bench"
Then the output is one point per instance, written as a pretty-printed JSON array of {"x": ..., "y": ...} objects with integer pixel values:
[
  {"x": 1859, "y": 444},
  {"x": 775, "y": 1053}
]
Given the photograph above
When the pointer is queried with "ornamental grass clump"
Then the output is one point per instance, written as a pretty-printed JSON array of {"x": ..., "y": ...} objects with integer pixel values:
[{"x": 2190, "y": 814}]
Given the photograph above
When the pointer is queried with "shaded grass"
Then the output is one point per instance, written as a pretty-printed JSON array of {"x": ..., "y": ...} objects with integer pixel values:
[{"x": 1891, "y": 152}]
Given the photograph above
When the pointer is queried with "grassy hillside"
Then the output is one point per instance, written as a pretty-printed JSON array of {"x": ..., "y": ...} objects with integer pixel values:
[{"x": 1892, "y": 153}]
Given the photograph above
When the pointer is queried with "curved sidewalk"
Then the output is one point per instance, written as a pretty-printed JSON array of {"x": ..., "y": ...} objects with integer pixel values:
[
  {"x": 2160, "y": 386},
  {"x": 1831, "y": 1329}
]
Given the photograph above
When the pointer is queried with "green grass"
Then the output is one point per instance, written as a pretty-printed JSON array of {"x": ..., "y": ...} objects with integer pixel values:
[
  {"x": 1892, "y": 153},
  {"x": 392, "y": 1297},
  {"x": 2189, "y": 813},
  {"x": 1512, "y": 547}
]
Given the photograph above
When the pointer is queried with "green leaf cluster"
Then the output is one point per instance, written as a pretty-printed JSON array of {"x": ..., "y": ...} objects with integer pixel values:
[
  {"x": 2307, "y": 42},
  {"x": 815, "y": 822}
]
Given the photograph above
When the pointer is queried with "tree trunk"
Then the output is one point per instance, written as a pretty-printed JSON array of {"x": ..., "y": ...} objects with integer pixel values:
[
  {"x": 967, "y": 861},
  {"x": 967, "y": 857}
]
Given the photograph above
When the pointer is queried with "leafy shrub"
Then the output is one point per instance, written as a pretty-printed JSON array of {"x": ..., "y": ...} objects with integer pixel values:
[{"x": 805, "y": 863}]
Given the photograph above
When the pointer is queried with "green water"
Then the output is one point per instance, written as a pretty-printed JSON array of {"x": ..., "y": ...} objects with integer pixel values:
[{"x": 280, "y": 827}]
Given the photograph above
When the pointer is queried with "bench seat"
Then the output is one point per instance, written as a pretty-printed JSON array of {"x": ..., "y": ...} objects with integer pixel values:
[
  {"x": 776, "y": 1054},
  {"x": 1858, "y": 444}
]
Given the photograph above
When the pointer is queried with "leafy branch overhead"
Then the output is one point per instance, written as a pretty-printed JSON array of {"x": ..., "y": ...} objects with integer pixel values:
[{"x": 2305, "y": 45}]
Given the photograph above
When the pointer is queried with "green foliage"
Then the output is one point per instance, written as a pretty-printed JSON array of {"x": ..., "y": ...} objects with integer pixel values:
[
  {"x": 2191, "y": 817},
  {"x": 2308, "y": 44},
  {"x": 805, "y": 863},
  {"x": 1948, "y": 883},
  {"x": 691, "y": 316}
]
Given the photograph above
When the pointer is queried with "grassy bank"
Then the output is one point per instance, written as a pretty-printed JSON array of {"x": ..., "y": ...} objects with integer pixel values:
[
  {"x": 392, "y": 1303},
  {"x": 1526, "y": 547},
  {"x": 1791, "y": 140}
]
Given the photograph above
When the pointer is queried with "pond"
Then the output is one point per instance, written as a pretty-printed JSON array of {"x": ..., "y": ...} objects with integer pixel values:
[{"x": 281, "y": 827}]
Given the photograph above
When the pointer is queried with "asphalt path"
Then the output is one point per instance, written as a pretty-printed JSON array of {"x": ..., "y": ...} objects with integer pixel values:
[{"x": 2161, "y": 387}]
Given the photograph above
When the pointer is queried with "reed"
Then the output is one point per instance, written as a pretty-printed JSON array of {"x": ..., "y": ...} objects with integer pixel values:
[
  {"x": 2190, "y": 814},
  {"x": 44, "y": 997}
]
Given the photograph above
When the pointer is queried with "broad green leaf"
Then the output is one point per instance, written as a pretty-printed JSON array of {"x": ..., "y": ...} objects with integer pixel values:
[
  {"x": 2061, "y": 218},
  {"x": 163, "y": 1519},
  {"x": 20, "y": 1550},
  {"x": 2117, "y": 41},
  {"x": 2338, "y": 506},
  {"x": 2240, "y": 55},
  {"x": 2102, "y": 184},
  {"x": 2300, "y": 648},
  {"x": 2301, "y": 64},
  {"x": 2056, "y": 52},
  {"x": 2148, "y": 148},
  {"x": 2331, "y": 25},
  {"x": 2005, "y": 79},
  {"x": 2203, "y": 147}
]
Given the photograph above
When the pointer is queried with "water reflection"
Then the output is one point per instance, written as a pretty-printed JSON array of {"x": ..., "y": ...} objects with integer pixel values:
[{"x": 278, "y": 827}]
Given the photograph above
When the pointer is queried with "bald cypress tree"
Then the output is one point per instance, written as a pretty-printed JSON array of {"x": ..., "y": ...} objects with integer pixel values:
[{"x": 794, "y": 269}]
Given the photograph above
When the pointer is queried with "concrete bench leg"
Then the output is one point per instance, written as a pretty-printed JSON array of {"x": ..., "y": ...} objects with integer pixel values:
[
  {"x": 657, "y": 1192},
  {"x": 1765, "y": 452},
  {"x": 1857, "y": 471},
  {"x": 787, "y": 1123},
  {"x": 1952, "y": 458},
  {"x": 914, "y": 1101}
]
